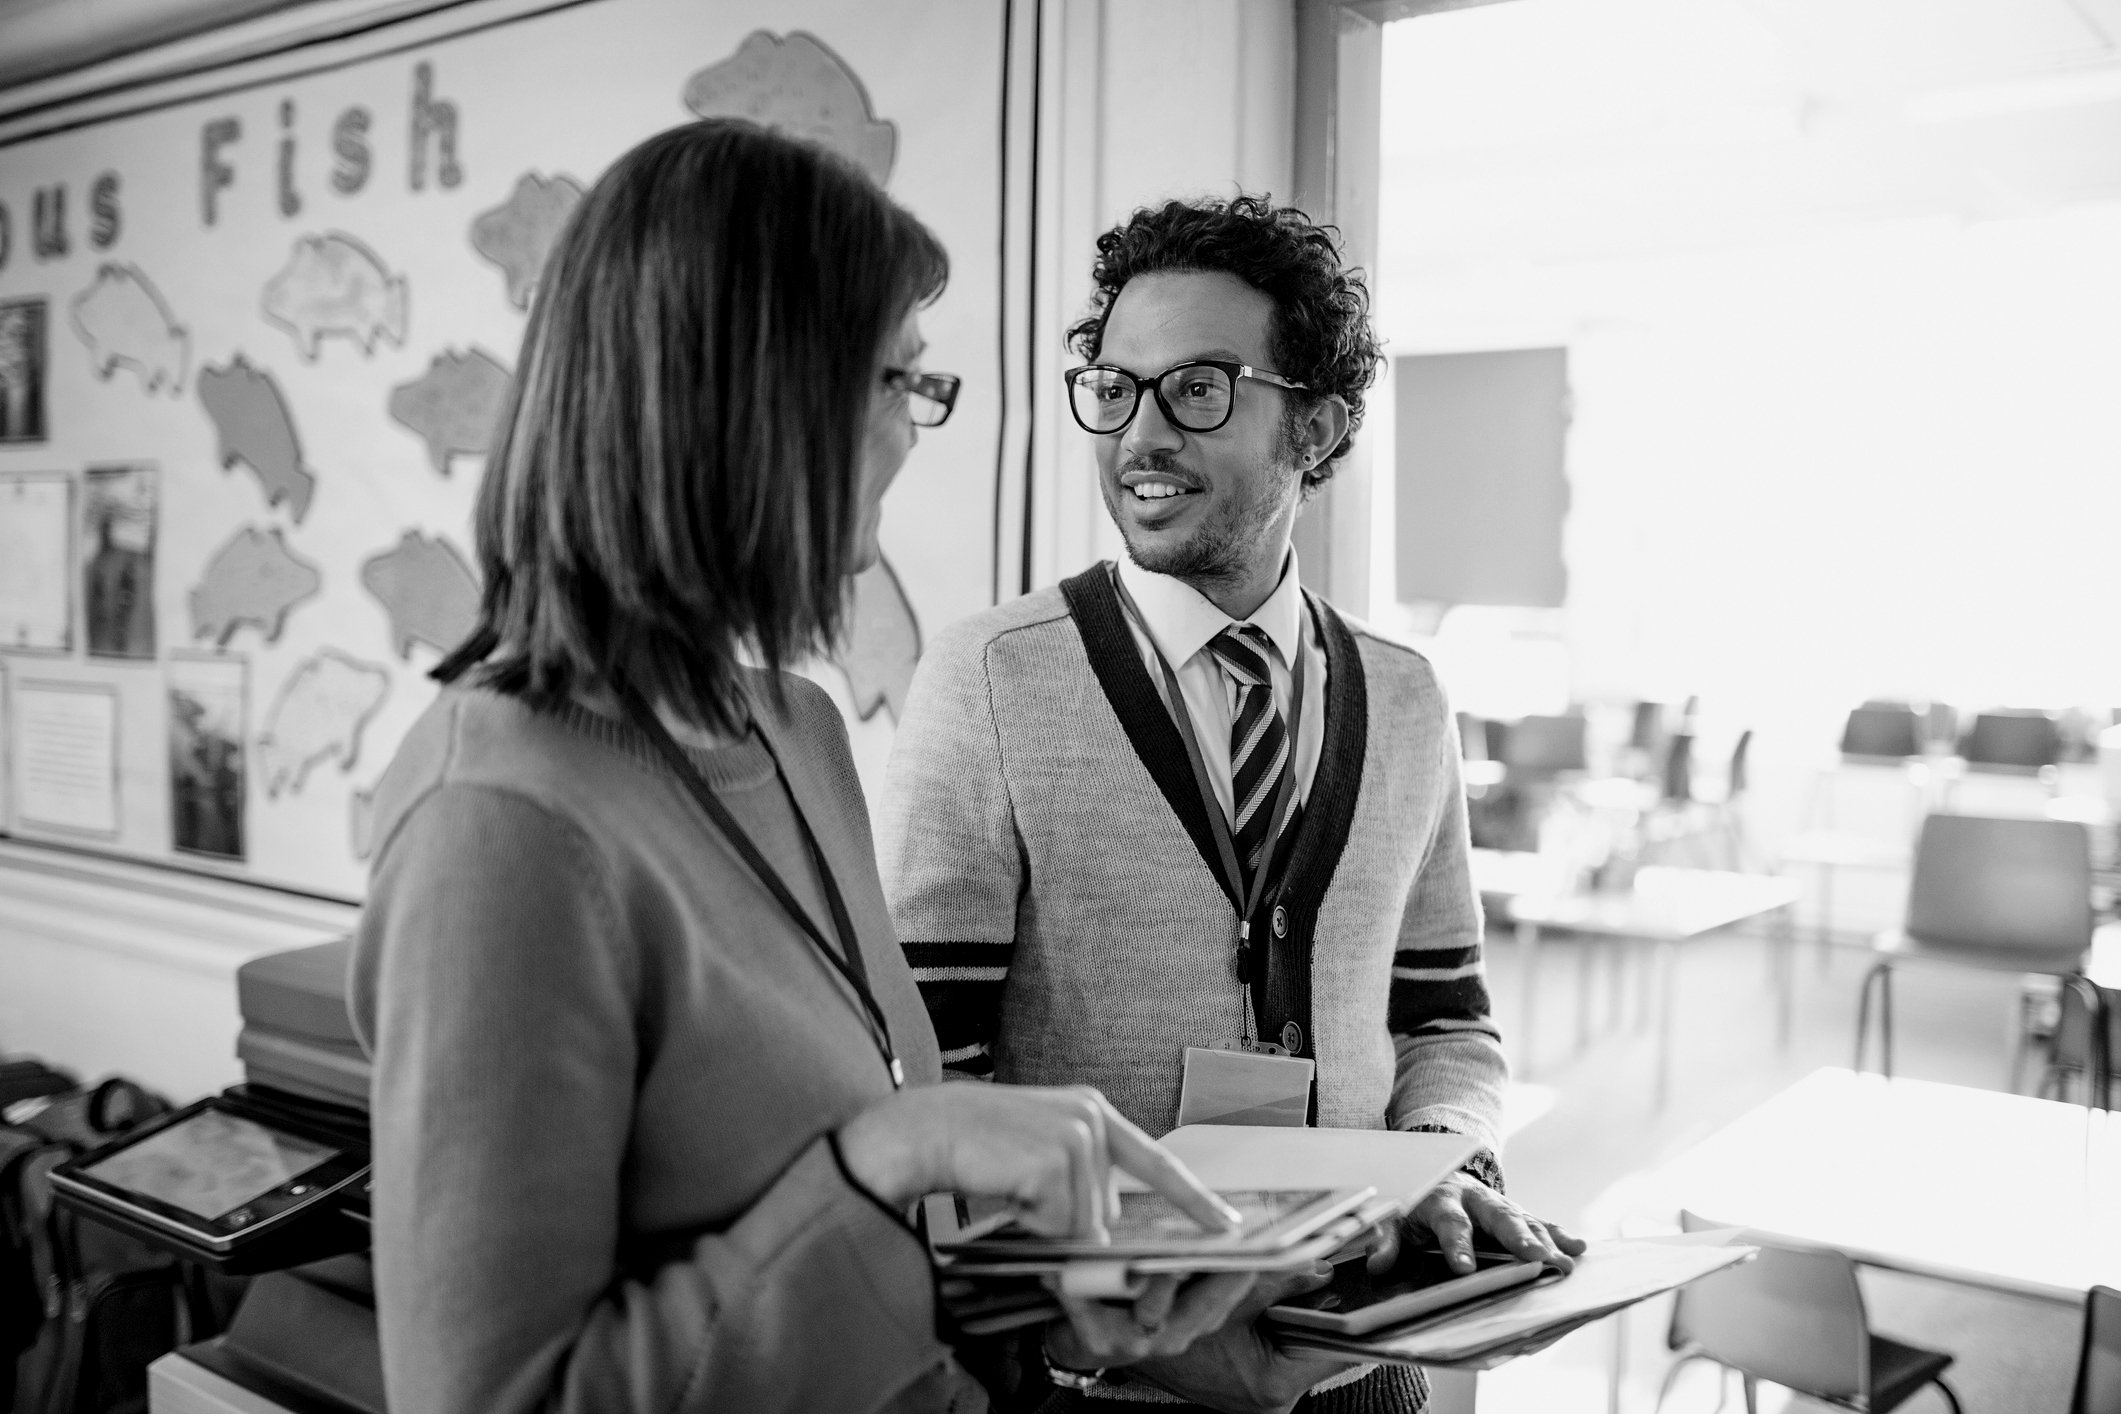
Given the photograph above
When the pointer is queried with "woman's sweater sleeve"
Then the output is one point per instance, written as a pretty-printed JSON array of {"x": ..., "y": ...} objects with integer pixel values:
[{"x": 497, "y": 991}]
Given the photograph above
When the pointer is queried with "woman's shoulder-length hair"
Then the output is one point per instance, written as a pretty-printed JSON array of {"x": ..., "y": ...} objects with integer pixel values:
[{"x": 672, "y": 487}]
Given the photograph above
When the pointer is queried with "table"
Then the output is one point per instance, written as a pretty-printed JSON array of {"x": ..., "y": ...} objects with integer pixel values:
[
  {"x": 1994, "y": 1190},
  {"x": 1991, "y": 1190},
  {"x": 1666, "y": 907}
]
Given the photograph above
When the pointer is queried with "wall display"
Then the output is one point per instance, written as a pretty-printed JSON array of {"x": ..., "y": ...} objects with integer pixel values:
[
  {"x": 253, "y": 580},
  {"x": 36, "y": 562},
  {"x": 126, "y": 324},
  {"x": 64, "y": 750},
  {"x": 319, "y": 716},
  {"x": 518, "y": 234},
  {"x": 453, "y": 405},
  {"x": 252, "y": 425},
  {"x": 333, "y": 284},
  {"x": 209, "y": 703},
  {"x": 428, "y": 590},
  {"x": 119, "y": 512},
  {"x": 299, "y": 285},
  {"x": 22, "y": 355}
]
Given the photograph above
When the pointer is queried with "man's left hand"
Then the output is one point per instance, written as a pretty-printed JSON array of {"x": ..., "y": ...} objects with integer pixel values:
[{"x": 1460, "y": 1205}]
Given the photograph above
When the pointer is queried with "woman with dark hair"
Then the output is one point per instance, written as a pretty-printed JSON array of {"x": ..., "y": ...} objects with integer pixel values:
[{"x": 653, "y": 1086}]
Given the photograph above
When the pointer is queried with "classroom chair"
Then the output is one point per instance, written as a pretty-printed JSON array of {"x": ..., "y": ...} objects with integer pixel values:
[
  {"x": 1998, "y": 894},
  {"x": 1545, "y": 746},
  {"x": 2018, "y": 742},
  {"x": 1794, "y": 1316},
  {"x": 2069, "y": 1049},
  {"x": 2099, "y": 1367},
  {"x": 1882, "y": 731}
]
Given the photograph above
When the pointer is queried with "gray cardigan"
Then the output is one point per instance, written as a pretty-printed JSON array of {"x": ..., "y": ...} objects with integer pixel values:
[
  {"x": 1047, "y": 859},
  {"x": 607, "y": 1072}
]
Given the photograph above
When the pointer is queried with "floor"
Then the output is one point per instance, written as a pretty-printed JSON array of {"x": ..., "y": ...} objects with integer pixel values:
[{"x": 1588, "y": 1120}]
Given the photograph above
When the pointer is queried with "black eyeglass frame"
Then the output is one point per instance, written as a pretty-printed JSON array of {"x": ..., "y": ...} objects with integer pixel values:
[
  {"x": 936, "y": 389},
  {"x": 1230, "y": 370}
]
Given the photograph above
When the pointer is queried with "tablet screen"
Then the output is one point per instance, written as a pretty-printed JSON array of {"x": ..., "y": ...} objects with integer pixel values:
[{"x": 210, "y": 1164}]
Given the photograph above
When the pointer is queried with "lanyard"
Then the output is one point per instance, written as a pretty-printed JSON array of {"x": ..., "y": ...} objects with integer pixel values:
[
  {"x": 1218, "y": 822},
  {"x": 847, "y": 960}
]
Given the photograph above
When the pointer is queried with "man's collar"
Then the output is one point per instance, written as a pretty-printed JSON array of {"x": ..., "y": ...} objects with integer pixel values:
[{"x": 1181, "y": 619}]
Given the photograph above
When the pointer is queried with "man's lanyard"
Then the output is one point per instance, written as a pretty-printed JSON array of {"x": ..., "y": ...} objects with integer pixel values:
[
  {"x": 1218, "y": 822},
  {"x": 847, "y": 960}
]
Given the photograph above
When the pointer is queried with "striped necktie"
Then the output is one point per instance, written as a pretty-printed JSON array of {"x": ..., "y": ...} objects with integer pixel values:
[{"x": 1259, "y": 742}]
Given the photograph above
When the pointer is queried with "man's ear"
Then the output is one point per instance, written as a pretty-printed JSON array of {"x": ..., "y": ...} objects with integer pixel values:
[{"x": 1323, "y": 429}]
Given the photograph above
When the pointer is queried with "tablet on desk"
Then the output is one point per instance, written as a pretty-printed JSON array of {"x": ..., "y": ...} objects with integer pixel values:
[
  {"x": 218, "y": 1177},
  {"x": 1419, "y": 1284}
]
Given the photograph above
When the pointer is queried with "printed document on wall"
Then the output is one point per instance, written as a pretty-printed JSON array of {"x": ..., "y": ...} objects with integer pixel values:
[
  {"x": 36, "y": 533},
  {"x": 65, "y": 752}
]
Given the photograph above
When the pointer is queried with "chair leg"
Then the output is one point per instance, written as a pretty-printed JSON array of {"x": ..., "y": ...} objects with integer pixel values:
[
  {"x": 1671, "y": 1376},
  {"x": 1946, "y": 1390},
  {"x": 1885, "y": 1022},
  {"x": 1752, "y": 1395}
]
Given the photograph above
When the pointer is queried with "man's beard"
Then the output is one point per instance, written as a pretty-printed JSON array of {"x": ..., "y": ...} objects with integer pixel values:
[{"x": 1218, "y": 553}]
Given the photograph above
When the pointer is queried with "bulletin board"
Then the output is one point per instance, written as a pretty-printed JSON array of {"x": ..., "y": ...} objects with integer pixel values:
[{"x": 253, "y": 337}]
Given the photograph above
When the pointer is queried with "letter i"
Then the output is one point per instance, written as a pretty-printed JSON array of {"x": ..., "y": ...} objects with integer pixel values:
[{"x": 290, "y": 199}]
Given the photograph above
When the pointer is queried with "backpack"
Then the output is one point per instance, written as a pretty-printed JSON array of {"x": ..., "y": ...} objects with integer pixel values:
[{"x": 84, "y": 1309}]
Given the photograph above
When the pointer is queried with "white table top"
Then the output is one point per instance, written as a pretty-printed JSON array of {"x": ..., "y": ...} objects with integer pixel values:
[
  {"x": 2000, "y": 1191},
  {"x": 1666, "y": 903}
]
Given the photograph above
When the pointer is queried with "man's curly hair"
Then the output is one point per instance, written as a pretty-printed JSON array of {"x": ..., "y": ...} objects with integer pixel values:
[{"x": 1320, "y": 334}]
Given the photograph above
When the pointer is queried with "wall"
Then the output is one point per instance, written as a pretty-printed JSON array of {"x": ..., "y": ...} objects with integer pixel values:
[{"x": 89, "y": 979}]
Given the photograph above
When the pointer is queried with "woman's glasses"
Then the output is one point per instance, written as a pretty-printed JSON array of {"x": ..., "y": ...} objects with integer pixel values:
[{"x": 929, "y": 396}]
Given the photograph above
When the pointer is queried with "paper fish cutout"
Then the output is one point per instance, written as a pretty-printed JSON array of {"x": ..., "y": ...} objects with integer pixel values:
[
  {"x": 318, "y": 717},
  {"x": 333, "y": 284},
  {"x": 123, "y": 320},
  {"x": 453, "y": 405},
  {"x": 881, "y": 644},
  {"x": 519, "y": 234},
  {"x": 428, "y": 590},
  {"x": 804, "y": 89},
  {"x": 254, "y": 579},
  {"x": 250, "y": 415}
]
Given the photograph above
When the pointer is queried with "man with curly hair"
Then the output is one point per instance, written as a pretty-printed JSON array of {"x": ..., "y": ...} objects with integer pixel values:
[{"x": 1176, "y": 828}]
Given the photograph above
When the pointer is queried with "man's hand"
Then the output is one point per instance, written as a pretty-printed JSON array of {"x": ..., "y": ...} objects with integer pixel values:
[
  {"x": 1452, "y": 1211},
  {"x": 1238, "y": 1369}
]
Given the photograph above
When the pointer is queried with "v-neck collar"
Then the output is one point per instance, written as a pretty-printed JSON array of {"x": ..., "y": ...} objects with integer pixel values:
[{"x": 1329, "y": 808}]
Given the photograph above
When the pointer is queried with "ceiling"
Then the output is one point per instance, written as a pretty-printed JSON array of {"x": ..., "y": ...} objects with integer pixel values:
[{"x": 1557, "y": 130}]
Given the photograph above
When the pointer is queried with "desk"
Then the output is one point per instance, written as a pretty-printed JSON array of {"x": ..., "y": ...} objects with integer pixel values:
[
  {"x": 1666, "y": 907},
  {"x": 1994, "y": 1190}
]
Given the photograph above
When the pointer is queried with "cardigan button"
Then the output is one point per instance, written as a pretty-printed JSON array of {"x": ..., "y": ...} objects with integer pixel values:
[
  {"x": 1292, "y": 1037},
  {"x": 1281, "y": 921}
]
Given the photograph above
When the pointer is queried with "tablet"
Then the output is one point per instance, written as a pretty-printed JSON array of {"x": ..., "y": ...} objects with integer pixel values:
[
  {"x": 214, "y": 1177},
  {"x": 1147, "y": 1224},
  {"x": 1419, "y": 1284}
]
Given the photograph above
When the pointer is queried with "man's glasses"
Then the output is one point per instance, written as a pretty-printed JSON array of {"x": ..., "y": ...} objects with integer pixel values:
[
  {"x": 929, "y": 396},
  {"x": 1197, "y": 396}
]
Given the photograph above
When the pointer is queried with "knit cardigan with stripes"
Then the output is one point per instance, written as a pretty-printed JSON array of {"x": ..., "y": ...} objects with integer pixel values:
[{"x": 1051, "y": 872}]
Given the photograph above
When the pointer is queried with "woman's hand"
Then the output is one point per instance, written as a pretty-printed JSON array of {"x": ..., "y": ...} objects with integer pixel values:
[
  {"x": 1169, "y": 1315},
  {"x": 1049, "y": 1152}
]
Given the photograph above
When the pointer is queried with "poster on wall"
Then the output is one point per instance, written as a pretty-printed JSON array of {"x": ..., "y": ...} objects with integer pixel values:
[
  {"x": 208, "y": 711},
  {"x": 36, "y": 536},
  {"x": 22, "y": 354},
  {"x": 273, "y": 313},
  {"x": 64, "y": 750},
  {"x": 118, "y": 515}
]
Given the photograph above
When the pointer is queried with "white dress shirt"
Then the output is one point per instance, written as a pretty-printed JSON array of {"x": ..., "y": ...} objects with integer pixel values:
[{"x": 1181, "y": 621}]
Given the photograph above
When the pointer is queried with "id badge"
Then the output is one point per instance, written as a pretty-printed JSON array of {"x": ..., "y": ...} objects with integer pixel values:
[{"x": 1244, "y": 1087}]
